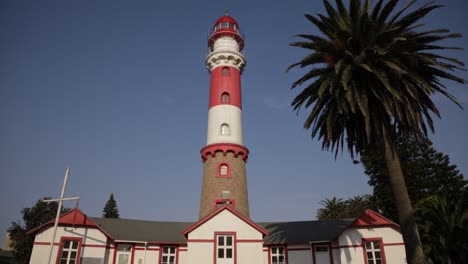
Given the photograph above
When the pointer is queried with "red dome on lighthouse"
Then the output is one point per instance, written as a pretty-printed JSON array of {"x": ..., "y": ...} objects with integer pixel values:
[{"x": 226, "y": 26}]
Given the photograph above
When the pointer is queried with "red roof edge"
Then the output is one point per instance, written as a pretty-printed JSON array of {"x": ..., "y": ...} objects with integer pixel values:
[
  {"x": 219, "y": 210},
  {"x": 73, "y": 217},
  {"x": 371, "y": 218}
]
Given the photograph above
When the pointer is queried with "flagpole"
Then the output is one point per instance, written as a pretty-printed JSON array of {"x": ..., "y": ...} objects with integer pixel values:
[{"x": 59, "y": 209}]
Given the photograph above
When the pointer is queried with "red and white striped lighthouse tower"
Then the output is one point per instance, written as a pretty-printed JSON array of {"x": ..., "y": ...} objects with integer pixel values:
[{"x": 224, "y": 156}]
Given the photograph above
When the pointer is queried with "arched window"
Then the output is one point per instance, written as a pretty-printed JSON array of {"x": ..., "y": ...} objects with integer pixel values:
[
  {"x": 223, "y": 170},
  {"x": 225, "y": 130},
  {"x": 225, "y": 71},
  {"x": 225, "y": 98}
]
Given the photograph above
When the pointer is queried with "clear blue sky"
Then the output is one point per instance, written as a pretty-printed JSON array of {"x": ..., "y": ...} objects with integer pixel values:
[{"x": 118, "y": 90}]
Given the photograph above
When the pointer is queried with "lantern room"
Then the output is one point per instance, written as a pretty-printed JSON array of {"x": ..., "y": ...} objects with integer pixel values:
[{"x": 225, "y": 26}]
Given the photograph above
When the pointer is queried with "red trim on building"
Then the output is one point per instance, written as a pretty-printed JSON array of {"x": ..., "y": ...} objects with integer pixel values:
[
  {"x": 299, "y": 249},
  {"x": 212, "y": 149},
  {"x": 216, "y": 202},
  {"x": 230, "y": 84},
  {"x": 393, "y": 244},
  {"x": 249, "y": 241},
  {"x": 168, "y": 245},
  {"x": 346, "y": 246},
  {"x": 330, "y": 253},
  {"x": 285, "y": 248},
  {"x": 200, "y": 240},
  {"x": 115, "y": 254},
  {"x": 234, "y": 244},
  {"x": 233, "y": 211},
  {"x": 133, "y": 253},
  {"x": 75, "y": 218},
  {"x": 370, "y": 219},
  {"x": 382, "y": 250},
  {"x": 78, "y": 253}
]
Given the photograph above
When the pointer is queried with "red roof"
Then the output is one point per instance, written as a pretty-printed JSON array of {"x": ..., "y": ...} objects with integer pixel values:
[
  {"x": 226, "y": 18},
  {"x": 371, "y": 219},
  {"x": 73, "y": 217}
]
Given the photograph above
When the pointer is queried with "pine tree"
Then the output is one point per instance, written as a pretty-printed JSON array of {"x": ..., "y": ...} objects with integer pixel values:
[
  {"x": 427, "y": 172},
  {"x": 110, "y": 209}
]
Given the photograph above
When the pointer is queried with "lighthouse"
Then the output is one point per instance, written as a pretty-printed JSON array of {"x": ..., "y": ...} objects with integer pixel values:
[{"x": 224, "y": 156}]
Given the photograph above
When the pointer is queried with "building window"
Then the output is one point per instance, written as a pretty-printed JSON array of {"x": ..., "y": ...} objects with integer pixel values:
[
  {"x": 225, "y": 246},
  {"x": 278, "y": 255},
  {"x": 225, "y": 130},
  {"x": 225, "y": 71},
  {"x": 225, "y": 98},
  {"x": 221, "y": 202},
  {"x": 169, "y": 255},
  {"x": 321, "y": 248},
  {"x": 69, "y": 251},
  {"x": 224, "y": 170},
  {"x": 374, "y": 254}
]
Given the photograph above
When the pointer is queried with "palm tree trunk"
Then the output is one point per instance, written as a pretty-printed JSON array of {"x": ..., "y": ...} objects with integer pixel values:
[{"x": 413, "y": 246}]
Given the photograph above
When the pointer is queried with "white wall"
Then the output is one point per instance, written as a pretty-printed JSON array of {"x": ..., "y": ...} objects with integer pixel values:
[
  {"x": 351, "y": 248},
  {"x": 249, "y": 241},
  {"x": 94, "y": 240},
  {"x": 299, "y": 256}
]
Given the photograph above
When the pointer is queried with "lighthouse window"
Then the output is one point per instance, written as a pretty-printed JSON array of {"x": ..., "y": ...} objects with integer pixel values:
[
  {"x": 223, "y": 170},
  {"x": 225, "y": 130},
  {"x": 225, "y": 98},
  {"x": 225, "y": 71}
]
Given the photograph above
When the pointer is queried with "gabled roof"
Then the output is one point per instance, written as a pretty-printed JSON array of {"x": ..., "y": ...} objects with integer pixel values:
[
  {"x": 371, "y": 219},
  {"x": 219, "y": 210},
  {"x": 299, "y": 232},
  {"x": 303, "y": 232},
  {"x": 141, "y": 230},
  {"x": 74, "y": 217}
]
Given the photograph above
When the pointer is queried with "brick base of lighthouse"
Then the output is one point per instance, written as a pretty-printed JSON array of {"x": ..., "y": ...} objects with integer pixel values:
[{"x": 214, "y": 185}]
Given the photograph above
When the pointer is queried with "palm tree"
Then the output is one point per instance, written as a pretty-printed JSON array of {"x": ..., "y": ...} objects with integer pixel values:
[
  {"x": 373, "y": 77},
  {"x": 357, "y": 205},
  {"x": 334, "y": 208},
  {"x": 444, "y": 228}
]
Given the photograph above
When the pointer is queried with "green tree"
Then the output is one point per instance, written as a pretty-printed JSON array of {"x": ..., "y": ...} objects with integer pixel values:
[
  {"x": 333, "y": 208},
  {"x": 357, "y": 205},
  {"x": 338, "y": 208},
  {"x": 21, "y": 243},
  {"x": 110, "y": 209},
  {"x": 444, "y": 228},
  {"x": 373, "y": 77},
  {"x": 427, "y": 172}
]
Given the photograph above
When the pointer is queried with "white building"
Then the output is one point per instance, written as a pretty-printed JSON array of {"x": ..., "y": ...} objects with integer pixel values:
[{"x": 224, "y": 234}]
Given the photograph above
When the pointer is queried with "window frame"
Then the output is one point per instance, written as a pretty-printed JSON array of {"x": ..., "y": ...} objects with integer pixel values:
[
  {"x": 225, "y": 98},
  {"x": 221, "y": 202},
  {"x": 225, "y": 71},
  {"x": 169, "y": 254},
  {"x": 228, "y": 172},
  {"x": 271, "y": 255},
  {"x": 373, "y": 250},
  {"x": 63, "y": 239},
  {"x": 233, "y": 247},
  {"x": 225, "y": 130}
]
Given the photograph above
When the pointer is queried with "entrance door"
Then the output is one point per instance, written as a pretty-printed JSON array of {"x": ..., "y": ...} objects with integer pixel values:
[
  {"x": 124, "y": 254},
  {"x": 225, "y": 249}
]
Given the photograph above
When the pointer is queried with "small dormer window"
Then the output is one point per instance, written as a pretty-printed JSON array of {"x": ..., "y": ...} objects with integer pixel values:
[
  {"x": 225, "y": 98},
  {"x": 225, "y": 71}
]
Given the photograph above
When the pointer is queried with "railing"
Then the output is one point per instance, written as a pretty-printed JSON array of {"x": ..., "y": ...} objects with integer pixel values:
[{"x": 225, "y": 25}]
